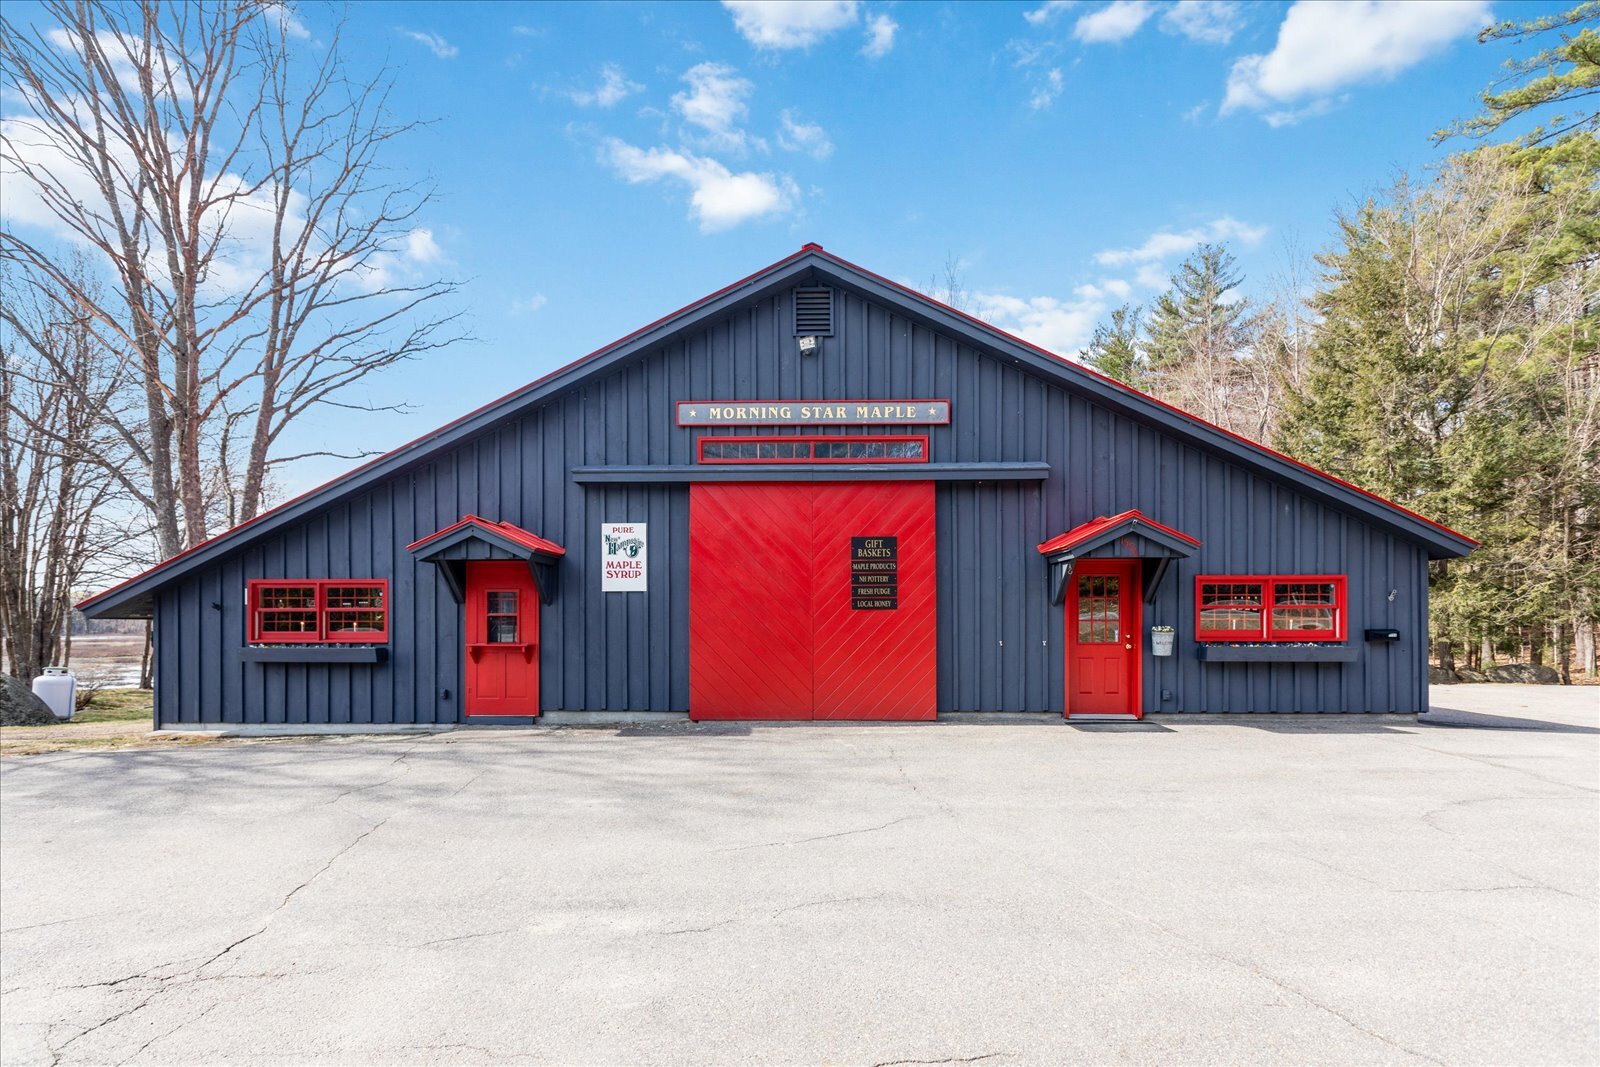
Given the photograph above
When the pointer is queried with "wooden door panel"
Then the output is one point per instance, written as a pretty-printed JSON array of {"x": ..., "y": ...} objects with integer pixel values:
[
  {"x": 1103, "y": 639},
  {"x": 750, "y": 628},
  {"x": 875, "y": 663},
  {"x": 502, "y": 639}
]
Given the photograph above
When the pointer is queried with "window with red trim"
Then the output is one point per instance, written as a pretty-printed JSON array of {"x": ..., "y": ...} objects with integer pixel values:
[
  {"x": 835, "y": 448},
  {"x": 1298, "y": 607},
  {"x": 318, "y": 611}
]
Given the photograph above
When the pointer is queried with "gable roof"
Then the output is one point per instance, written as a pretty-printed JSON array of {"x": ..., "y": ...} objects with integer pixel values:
[
  {"x": 1107, "y": 528},
  {"x": 521, "y": 543},
  {"x": 810, "y": 265}
]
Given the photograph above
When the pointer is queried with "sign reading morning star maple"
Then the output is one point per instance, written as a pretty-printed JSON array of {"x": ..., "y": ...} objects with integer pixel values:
[{"x": 813, "y": 412}]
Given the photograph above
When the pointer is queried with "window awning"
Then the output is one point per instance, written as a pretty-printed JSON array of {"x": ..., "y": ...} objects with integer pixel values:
[
  {"x": 1127, "y": 535},
  {"x": 477, "y": 538}
]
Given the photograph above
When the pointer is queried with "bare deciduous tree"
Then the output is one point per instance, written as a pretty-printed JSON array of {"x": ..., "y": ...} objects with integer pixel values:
[
  {"x": 58, "y": 514},
  {"x": 229, "y": 185}
]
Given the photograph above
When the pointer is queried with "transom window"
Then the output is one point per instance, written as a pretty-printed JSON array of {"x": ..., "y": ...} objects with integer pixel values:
[
  {"x": 834, "y": 448},
  {"x": 317, "y": 611},
  {"x": 1305, "y": 607}
]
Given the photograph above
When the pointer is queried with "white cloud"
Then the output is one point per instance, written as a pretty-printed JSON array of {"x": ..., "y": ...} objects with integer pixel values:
[
  {"x": 1207, "y": 21},
  {"x": 614, "y": 88},
  {"x": 1165, "y": 244},
  {"x": 528, "y": 305},
  {"x": 807, "y": 137},
  {"x": 1117, "y": 288},
  {"x": 1323, "y": 47},
  {"x": 279, "y": 14},
  {"x": 1062, "y": 326},
  {"x": 1046, "y": 94},
  {"x": 1047, "y": 11},
  {"x": 719, "y": 199},
  {"x": 715, "y": 102},
  {"x": 436, "y": 44},
  {"x": 1116, "y": 21},
  {"x": 880, "y": 36},
  {"x": 786, "y": 24}
]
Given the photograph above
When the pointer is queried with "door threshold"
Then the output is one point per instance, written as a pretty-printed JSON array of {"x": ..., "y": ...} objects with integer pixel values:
[{"x": 1103, "y": 718}]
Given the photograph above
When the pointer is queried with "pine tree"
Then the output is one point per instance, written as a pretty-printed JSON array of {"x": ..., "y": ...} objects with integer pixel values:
[
  {"x": 1115, "y": 350},
  {"x": 1201, "y": 316}
]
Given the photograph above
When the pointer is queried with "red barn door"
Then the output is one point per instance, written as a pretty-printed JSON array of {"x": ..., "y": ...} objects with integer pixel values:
[
  {"x": 502, "y": 639},
  {"x": 811, "y": 600},
  {"x": 877, "y": 661},
  {"x": 750, "y": 601},
  {"x": 1103, "y": 633}
]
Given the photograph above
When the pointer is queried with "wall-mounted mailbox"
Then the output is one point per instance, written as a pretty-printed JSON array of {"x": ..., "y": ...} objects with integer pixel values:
[{"x": 1383, "y": 635}]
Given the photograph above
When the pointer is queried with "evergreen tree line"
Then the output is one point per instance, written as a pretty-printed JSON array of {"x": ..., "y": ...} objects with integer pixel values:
[{"x": 1443, "y": 354}]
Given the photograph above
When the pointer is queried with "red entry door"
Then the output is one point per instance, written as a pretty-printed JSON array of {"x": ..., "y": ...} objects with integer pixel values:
[
  {"x": 502, "y": 639},
  {"x": 812, "y": 600},
  {"x": 1103, "y": 639}
]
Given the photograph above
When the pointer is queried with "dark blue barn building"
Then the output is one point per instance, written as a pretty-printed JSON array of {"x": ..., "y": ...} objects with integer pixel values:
[{"x": 813, "y": 494}]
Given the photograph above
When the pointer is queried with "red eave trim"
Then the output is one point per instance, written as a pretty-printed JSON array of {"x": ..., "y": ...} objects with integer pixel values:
[
  {"x": 807, "y": 250},
  {"x": 1078, "y": 534},
  {"x": 505, "y": 529},
  {"x": 1126, "y": 388}
]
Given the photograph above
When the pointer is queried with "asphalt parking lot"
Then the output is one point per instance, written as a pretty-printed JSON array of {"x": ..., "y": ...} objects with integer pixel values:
[{"x": 1266, "y": 890}]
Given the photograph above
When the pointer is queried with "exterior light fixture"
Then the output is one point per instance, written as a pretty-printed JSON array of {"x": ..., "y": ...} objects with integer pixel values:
[{"x": 810, "y": 346}]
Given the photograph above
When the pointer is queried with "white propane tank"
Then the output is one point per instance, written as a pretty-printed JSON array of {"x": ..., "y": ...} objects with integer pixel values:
[{"x": 58, "y": 688}]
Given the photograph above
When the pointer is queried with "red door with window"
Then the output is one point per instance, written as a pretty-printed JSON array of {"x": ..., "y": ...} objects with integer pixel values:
[
  {"x": 502, "y": 639},
  {"x": 812, "y": 600},
  {"x": 1103, "y": 639}
]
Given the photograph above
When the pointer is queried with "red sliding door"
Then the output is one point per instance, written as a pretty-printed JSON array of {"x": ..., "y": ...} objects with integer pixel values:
[{"x": 812, "y": 600}]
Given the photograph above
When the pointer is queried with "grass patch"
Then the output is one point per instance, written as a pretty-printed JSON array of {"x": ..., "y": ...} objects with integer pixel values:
[{"x": 118, "y": 705}]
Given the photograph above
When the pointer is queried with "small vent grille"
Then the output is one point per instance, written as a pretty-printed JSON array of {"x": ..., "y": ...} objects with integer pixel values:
[{"x": 813, "y": 312}]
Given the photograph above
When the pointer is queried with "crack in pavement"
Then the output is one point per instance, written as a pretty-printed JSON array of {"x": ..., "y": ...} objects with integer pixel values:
[
  {"x": 823, "y": 837},
  {"x": 1245, "y": 965},
  {"x": 60, "y": 922},
  {"x": 773, "y": 915},
  {"x": 952, "y": 1059},
  {"x": 1504, "y": 767},
  {"x": 168, "y": 983},
  {"x": 464, "y": 937}
]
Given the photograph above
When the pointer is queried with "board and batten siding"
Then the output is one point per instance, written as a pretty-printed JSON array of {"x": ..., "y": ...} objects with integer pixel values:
[{"x": 1001, "y": 642}]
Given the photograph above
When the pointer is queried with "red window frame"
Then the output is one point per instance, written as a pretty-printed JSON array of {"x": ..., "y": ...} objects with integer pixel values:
[
  {"x": 813, "y": 440},
  {"x": 1267, "y": 586},
  {"x": 320, "y": 607}
]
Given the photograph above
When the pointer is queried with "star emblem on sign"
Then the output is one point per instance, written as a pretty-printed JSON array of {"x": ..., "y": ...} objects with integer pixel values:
[
  {"x": 933, "y": 410},
  {"x": 691, "y": 413}
]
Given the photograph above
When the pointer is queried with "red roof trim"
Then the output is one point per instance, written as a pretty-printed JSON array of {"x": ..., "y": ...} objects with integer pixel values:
[
  {"x": 232, "y": 530},
  {"x": 516, "y": 533},
  {"x": 1079, "y": 534},
  {"x": 808, "y": 249},
  {"x": 1080, "y": 368}
]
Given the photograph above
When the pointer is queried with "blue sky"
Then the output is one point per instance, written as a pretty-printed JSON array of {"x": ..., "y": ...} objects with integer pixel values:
[{"x": 598, "y": 165}]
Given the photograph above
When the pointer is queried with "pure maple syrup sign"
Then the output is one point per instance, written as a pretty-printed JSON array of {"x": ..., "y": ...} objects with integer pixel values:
[{"x": 623, "y": 549}]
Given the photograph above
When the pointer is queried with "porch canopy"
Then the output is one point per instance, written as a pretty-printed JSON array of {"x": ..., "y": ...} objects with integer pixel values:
[
  {"x": 1127, "y": 535},
  {"x": 477, "y": 538}
]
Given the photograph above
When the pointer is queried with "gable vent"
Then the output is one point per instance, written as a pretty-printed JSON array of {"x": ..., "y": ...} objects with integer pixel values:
[{"x": 813, "y": 312}]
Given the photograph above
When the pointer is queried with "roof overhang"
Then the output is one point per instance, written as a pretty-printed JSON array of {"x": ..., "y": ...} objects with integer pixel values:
[
  {"x": 476, "y": 538},
  {"x": 811, "y": 265},
  {"x": 1128, "y": 535}
]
